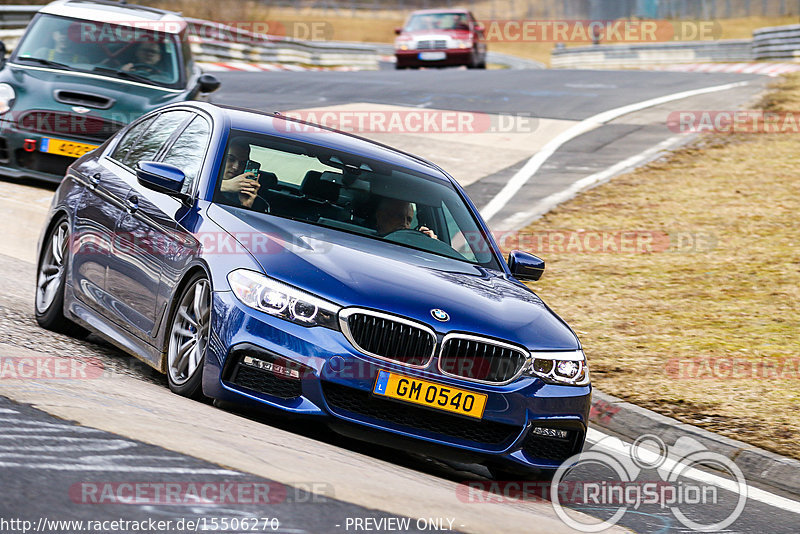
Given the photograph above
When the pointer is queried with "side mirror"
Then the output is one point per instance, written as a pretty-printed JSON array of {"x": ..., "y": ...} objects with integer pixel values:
[
  {"x": 2, "y": 53},
  {"x": 479, "y": 27},
  {"x": 525, "y": 266},
  {"x": 161, "y": 177},
  {"x": 398, "y": 31},
  {"x": 208, "y": 83}
]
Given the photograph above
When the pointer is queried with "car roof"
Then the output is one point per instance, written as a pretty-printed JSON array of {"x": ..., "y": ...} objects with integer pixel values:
[
  {"x": 116, "y": 13},
  {"x": 444, "y": 10},
  {"x": 297, "y": 130}
]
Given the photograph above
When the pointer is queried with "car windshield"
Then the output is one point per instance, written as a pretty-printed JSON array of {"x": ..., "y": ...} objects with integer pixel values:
[
  {"x": 437, "y": 21},
  {"x": 352, "y": 194},
  {"x": 136, "y": 54}
]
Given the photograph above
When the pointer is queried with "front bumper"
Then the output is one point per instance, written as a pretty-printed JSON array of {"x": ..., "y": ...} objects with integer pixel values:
[
  {"x": 452, "y": 57},
  {"x": 333, "y": 380},
  {"x": 21, "y": 157}
]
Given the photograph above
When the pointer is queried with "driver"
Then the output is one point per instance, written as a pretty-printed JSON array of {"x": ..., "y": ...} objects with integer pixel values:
[
  {"x": 147, "y": 57},
  {"x": 394, "y": 214},
  {"x": 238, "y": 188}
]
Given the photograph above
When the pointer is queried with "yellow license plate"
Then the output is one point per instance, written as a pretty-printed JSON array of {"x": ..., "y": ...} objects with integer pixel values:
[
  {"x": 64, "y": 148},
  {"x": 430, "y": 394}
]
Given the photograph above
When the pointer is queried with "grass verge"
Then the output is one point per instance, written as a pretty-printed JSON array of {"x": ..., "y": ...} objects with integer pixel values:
[{"x": 704, "y": 327}]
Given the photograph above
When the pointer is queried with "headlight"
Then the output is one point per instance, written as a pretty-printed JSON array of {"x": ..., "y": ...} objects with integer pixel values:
[
  {"x": 7, "y": 96},
  {"x": 282, "y": 300},
  {"x": 402, "y": 43},
  {"x": 568, "y": 368},
  {"x": 459, "y": 43}
]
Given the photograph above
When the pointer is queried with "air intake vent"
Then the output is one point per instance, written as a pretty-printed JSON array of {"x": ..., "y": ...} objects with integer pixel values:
[
  {"x": 83, "y": 99},
  {"x": 254, "y": 368},
  {"x": 480, "y": 359},
  {"x": 388, "y": 337}
]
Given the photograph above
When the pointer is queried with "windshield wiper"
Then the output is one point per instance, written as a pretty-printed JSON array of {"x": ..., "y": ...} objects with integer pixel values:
[
  {"x": 47, "y": 62},
  {"x": 123, "y": 74}
]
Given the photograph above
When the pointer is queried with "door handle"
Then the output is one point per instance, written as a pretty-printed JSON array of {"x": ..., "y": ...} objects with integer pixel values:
[{"x": 133, "y": 204}]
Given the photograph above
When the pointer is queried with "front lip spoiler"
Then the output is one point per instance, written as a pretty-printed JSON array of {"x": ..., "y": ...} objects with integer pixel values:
[{"x": 16, "y": 173}]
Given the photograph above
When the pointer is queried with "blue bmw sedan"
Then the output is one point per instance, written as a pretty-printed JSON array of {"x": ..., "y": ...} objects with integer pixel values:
[{"x": 262, "y": 260}]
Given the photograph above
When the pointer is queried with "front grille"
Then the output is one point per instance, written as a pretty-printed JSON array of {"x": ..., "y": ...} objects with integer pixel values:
[
  {"x": 71, "y": 125},
  {"x": 480, "y": 359},
  {"x": 551, "y": 448},
  {"x": 437, "y": 44},
  {"x": 389, "y": 338},
  {"x": 413, "y": 418}
]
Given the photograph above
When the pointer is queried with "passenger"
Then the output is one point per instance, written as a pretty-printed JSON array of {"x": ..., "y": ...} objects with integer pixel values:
[
  {"x": 239, "y": 188},
  {"x": 60, "y": 51},
  {"x": 393, "y": 214}
]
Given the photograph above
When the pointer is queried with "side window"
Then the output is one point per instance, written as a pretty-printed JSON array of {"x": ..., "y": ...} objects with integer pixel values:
[
  {"x": 188, "y": 150},
  {"x": 129, "y": 139},
  {"x": 159, "y": 131}
]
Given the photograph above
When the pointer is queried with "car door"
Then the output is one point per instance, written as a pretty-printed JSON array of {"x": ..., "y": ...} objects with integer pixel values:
[
  {"x": 157, "y": 247},
  {"x": 133, "y": 274},
  {"x": 96, "y": 216}
]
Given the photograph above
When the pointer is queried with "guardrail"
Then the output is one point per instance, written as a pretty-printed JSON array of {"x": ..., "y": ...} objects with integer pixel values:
[
  {"x": 233, "y": 44},
  {"x": 777, "y": 42},
  {"x": 634, "y": 55},
  {"x": 242, "y": 45},
  {"x": 16, "y": 16}
]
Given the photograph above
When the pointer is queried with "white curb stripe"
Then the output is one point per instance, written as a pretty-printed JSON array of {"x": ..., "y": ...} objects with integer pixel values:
[
  {"x": 529, "y": 169},
  {"x": 546, "y": 204}
]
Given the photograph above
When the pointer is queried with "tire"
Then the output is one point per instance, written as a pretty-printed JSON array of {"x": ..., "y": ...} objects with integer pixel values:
[
  {"x": 472, "y": 63},
  {"x": 51, "y": 277},
  {"x": 187, "y": 338},
  {"x": 505, "y": 473}
]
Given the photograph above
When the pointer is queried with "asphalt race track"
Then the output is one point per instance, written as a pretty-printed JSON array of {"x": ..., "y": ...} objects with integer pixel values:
[{"x": 61, "y": 440}]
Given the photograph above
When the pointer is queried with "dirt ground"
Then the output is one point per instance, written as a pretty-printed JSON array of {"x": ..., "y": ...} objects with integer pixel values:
[{"x": 687, "y": 295}]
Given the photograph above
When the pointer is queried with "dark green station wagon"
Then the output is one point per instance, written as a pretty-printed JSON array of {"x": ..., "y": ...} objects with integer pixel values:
[{"x": 83, "y": 70}]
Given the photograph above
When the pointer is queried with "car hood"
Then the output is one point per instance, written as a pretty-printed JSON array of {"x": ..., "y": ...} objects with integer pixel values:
[
  {"x": 353, "y": 270},
  {"x": 438, "y": 34},
  {"x": 35, "y": 90}
]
